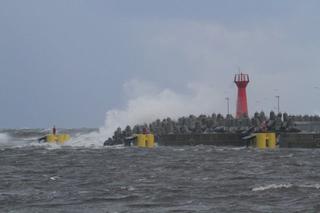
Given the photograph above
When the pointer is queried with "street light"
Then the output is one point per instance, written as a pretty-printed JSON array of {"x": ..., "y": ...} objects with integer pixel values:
[
  {"x": 278, "y": 99},
  {"x": 228, "y": 99},
  {"x": 258, "y": 106}
]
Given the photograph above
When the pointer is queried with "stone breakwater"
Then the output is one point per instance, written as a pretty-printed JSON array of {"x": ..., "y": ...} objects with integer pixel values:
[
  {"x": 285, "y": 140},
  {"x": 217, "y": 123}
]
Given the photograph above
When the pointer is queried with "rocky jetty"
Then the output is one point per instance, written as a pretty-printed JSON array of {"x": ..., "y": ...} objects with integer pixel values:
[{"x": 215, "y": 123}]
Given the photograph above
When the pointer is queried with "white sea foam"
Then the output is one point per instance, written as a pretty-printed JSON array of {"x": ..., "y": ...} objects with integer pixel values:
[
  {"x": 146, "y": 103},
  {"x": 49, "y": 146},
  {"x": 285, "y": 186},
  {"x": 4, "y": 138},
  {"x": 90, "y": 140},
  {"x": 315, "y": 186},
  {"x": 238, "y": 148},
  {"x": 151, "y": 103},
  {"x": 7, "y": 141},
  {"x": 11, "y": 142},
  {"x": 179, "y": 150},
  {"x": 272, "y": 186}
]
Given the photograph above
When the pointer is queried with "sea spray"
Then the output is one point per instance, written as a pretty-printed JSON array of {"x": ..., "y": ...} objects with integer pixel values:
[
  {"x": 8, "y": 142},
  {"x": 271, "y": 186},
  {"x": 148, "y": 103},
  {"x": 285, "y": 186},
  {"x": 150, "y": 106},
  {"x": 4, "y": 138}
]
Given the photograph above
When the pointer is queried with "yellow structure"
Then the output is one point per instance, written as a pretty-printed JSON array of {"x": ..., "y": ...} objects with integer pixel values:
[
  {"x": 141, "y": 140},
  {"x": 150, "y": 140},
  {"x": 261, "y": 140},
  {"x": 51, "y": 138},
  {"x": 266, "y": 140},
  {"x": 61, "y": 138},
  {"x": 145, "y": 140},
  {"x": 271, "y": 140}
]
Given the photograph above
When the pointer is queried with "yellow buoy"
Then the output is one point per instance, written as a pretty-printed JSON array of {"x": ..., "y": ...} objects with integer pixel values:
[
  {"x": 150, "y": 140},
  {"x": 51, "y": 138},
  {"x": 271, "y": 140},
  {"x": 67, "y": 137},
  {"x": 141, "y": 140},
  {"x": 261, "y": 140},
  {"x": 61, "y": 138}
]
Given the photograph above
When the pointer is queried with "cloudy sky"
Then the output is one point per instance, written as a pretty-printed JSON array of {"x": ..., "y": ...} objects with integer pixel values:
[{"x": 91, "y": 63}]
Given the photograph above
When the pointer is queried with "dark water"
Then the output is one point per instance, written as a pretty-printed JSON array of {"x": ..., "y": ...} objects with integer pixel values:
[{"x": 164, "y": 179}]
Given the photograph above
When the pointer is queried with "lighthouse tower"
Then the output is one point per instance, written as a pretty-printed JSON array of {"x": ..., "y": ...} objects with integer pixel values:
[{"x": 241, "y": 80}]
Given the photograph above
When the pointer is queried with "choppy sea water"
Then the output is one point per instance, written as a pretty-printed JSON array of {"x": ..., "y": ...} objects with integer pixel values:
[{"x": 51, "y": 178}]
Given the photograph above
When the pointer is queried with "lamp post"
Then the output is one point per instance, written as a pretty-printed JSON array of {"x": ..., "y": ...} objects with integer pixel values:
[
  {"x": 228, "y": 109},
  {"x": 258, "y": 106},
  {"x": 278, "y": 102}
]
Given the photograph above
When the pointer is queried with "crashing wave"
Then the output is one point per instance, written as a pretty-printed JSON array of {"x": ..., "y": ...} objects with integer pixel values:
[
  {"x": 286, "y": 186},
  {"x": 4, "y": 138},
  {"x": 271, "y": 186}
]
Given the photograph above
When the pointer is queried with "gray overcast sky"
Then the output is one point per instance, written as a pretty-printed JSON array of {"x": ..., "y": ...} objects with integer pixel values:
[{"x": 69, "y": 62}]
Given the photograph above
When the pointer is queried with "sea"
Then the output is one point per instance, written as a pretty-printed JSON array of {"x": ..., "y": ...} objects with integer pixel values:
[{"x": 83, "y": 176}]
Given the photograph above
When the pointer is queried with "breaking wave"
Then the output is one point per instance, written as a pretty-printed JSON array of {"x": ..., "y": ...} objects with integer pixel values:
[
  {"x": 7, "y": 141},
  {"x": 146, "y": 103},
  {"x": 271, "y": 186},
  {"x": 284, "y": 186},
  {"x": 89, "y": 140},
  {"x": 4, "y": 138}
]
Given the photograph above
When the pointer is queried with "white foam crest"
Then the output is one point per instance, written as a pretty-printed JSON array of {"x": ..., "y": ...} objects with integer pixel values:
[
  {"x": 287, "y": 185},
  {"x": 4, "y": 138},
  {"x": 272, "y": 186},
  {"x": 315, "y": 186},
  {"x": 90, "y": 140},
  {"x": 7, "y": 141},
  {"x": 238, "y": 148},
  {"x": 49, "y": 146},
  {"x": 10, "y": 142},
  {"x": 146, "y": 103}
]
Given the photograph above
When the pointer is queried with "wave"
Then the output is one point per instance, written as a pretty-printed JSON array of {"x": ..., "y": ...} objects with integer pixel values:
[
  {"x": 18, "y": 138},
  {"x": 285, "y": 186},
  {"x": 7, "y": 141},
  {"x": 89, "y": 140},
  {"x": 271, "y": 186},
  {"x": 315, "y": 186},
  {"x": 4, "y": 138}
]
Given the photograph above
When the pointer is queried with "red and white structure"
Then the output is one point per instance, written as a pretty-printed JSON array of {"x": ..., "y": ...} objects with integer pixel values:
[{"x": 241, "y": 80}]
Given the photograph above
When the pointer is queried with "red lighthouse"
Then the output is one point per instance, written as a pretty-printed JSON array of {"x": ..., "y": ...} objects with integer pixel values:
[{"x": 241, "y": 80}]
